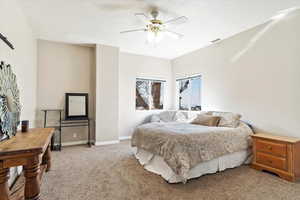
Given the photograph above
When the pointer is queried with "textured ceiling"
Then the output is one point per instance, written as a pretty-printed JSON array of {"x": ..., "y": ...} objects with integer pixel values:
[{"x": 100, "y": 21}]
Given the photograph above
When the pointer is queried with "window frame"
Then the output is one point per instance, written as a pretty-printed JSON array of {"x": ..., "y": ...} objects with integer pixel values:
[
  {"x": 177, "y": 81},
  {"x": 150, "y": 81}
]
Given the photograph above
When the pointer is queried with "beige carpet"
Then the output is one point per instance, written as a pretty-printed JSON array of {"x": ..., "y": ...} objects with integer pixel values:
[{"x": 112, "y": 172}]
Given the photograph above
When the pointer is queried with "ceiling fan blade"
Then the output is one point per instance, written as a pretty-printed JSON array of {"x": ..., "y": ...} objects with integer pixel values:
[
  {"x": 143, "y": 17},
  {"x": 134, "y": 30},
  {"x": 173, "y": 34},
  {"x": 176, "y": 21}
]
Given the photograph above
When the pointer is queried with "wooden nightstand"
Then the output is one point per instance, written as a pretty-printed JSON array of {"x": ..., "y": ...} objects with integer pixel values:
[{"x": 277, "y": 154}]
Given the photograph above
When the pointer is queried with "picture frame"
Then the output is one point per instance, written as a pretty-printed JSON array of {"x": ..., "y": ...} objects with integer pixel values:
[{"x": 77, "y": 106}]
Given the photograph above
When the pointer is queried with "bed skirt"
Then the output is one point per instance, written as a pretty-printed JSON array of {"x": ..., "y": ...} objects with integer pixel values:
[{"x": 157, "y": 165}]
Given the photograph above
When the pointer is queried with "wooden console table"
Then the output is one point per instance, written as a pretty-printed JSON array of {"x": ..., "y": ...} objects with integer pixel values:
[{"x": 30, "y": 150}]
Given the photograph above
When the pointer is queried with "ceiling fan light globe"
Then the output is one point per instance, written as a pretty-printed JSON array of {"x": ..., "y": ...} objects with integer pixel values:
[
  {"x": 154, "y": 37},
  {"x": 159, "y": 37},
  {"x": 150, "y": 37}
]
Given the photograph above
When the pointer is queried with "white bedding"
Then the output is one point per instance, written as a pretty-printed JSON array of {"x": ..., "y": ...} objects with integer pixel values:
[
  {"x": 183, "y": 146},
  {"x": 157, "y": 165}
]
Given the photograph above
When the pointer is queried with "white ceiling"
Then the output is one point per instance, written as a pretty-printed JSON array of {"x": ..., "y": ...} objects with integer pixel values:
[{"x": 100, "y": 21}]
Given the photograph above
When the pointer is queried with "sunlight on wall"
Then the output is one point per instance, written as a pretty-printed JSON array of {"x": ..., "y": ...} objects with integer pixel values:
[{"x": 269, "y": 25}]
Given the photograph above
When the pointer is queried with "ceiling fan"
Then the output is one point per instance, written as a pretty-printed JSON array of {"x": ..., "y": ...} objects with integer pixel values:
[{"x": 155, "y": 28}]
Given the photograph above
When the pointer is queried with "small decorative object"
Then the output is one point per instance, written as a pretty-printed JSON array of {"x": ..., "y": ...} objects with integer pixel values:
[
  {"x": 77, "y": 106},
  {"x": 2, "y": 135},
  {"x": 9, "y": 102},
  {"x": 25, "y": 125}
]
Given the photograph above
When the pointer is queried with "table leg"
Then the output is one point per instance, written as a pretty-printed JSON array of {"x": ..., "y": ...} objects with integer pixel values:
[
  {"x": 32, "y": 182},
  {"x": 4, "y": 176},
  {"x": 52, "y": 142},
  {"x": 89, "y": 134},
  {"x": 47, "y": 159}
]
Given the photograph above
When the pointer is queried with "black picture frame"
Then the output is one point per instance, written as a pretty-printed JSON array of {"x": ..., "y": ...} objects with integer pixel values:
[{"x": 77, "y": 117}]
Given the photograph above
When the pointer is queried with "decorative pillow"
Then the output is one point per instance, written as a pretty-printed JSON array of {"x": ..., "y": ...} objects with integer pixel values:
[
  {"x": 193, "y": 115},
  {"x": 167, "y": 116},
  {"x": 154, "y": 118},
  {"x": 180, "y": 117},
  {"x": 228, "y": 119},
  {"x": 206, "y": 120}
]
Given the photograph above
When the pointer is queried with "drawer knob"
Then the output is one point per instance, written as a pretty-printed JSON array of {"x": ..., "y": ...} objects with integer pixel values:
[
  {"x": 270, "y": 161},
  {"x": 269, "y": 147}
]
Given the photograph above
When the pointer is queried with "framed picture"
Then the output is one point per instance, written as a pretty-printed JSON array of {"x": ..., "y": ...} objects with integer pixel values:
[{"x": 77, "y": 106}]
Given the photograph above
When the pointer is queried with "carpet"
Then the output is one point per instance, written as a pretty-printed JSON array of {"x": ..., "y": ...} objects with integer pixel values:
[{"x": 112, "y": 173}]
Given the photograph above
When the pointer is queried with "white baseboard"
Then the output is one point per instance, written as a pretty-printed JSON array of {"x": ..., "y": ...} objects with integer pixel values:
[
  {"x": 65, "y": 144},
  {"x": 107, "y": 142},
  {"x": 81, "y": 142},
  {"x": 125, "y": 137}
]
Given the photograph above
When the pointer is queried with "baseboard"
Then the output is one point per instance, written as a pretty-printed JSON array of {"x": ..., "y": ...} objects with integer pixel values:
[
  {"x": 107, "y": 142},
  {"x": 65, "y": 144},
  {"x": 125, "y": 137}
]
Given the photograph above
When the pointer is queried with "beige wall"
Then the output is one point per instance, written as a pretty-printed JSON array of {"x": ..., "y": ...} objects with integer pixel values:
[
  {"x": 107, "y": 94},
  {"x": 65, "y": 68},
  {"x": 23, "y": 59},
  {"x": 132, "y": 67},
  {"x": 255, "y": 73},
  {"x": 72, "y": 68}
]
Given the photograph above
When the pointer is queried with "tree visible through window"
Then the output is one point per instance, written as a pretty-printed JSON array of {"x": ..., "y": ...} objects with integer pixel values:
[
  {"x": 149, "y": 94},
  {"x": 189, "y": 93}
]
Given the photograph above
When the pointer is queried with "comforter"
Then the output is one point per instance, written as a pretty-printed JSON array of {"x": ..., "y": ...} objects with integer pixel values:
[{"x": 184, "y": 145}]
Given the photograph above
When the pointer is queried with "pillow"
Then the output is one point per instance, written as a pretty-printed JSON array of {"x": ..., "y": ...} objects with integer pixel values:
[
  {"x": 193, "y": 115},
  {"x": 206, "y": 120},
  {"x": 154, "y": 118},
  {"x": 167, "y": 116},
  {"x": 228, "y": 119},
  {"x": 180, "y": 117}
]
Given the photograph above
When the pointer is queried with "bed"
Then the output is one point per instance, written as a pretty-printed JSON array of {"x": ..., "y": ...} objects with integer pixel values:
[{"x": 179, "y": 151}]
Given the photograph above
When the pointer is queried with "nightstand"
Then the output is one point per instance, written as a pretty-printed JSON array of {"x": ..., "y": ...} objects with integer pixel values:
[{"x": 277, "y": 154}]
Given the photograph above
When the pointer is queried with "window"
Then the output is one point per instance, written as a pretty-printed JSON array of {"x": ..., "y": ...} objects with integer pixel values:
[
  {"x": 189, "y": 93},
  {"x": 149, "y": 94}
]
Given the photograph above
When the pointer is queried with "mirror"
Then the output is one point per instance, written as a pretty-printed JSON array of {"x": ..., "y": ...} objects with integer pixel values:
[
  {"x": 76, "y": 106},
  {"x": 10, "y": 107}
]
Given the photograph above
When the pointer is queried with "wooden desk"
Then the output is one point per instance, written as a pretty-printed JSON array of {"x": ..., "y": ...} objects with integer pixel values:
[{"x": 30, "y": 150}]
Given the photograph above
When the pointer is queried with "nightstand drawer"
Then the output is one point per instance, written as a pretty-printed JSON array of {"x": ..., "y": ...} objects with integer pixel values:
[
  {"x": 271, "y": 161},
  {"x": 277, "y": 149}
]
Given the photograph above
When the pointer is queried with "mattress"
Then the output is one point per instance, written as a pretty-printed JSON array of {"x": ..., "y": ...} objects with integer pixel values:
[{"x": 157, "y": 165}]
